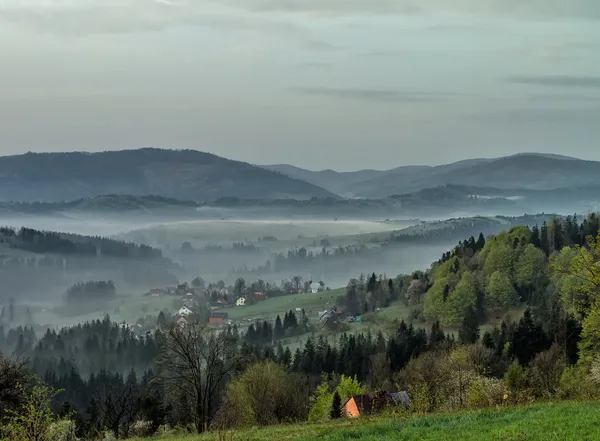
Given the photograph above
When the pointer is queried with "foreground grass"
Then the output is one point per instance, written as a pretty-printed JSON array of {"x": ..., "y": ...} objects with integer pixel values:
[{"x": 542, "y": 422}]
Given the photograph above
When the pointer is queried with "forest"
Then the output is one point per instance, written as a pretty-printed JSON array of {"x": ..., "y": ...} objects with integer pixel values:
[{"x": 99, "y": 378}]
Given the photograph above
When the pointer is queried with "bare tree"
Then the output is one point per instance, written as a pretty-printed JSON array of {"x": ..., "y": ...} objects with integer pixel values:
[
  {"x": 13, "y": 375},
  {"x": 119, "y": 404},
  {"x": 297, "y": 281},
  {"x": 195, "y": 362}
]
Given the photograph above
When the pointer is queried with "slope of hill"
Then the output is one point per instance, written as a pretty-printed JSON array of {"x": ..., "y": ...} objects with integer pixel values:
[
  {"x": 527, "y": 171},
  {"x": 442, "y": 201},
  {"x": 185, "y": 174},
  {"x": 540, "y": 422}
]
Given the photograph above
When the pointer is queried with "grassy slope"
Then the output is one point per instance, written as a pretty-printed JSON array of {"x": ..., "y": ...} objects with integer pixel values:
[{"x": 542, "y": 422}]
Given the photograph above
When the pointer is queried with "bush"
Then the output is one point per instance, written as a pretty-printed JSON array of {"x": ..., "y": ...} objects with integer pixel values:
[
  {"x": 577, "y": 384},
  {"x": 140, "y": 429},
  {"x": 515, "y": 377},
  {"x": 62, "y": 430},
  {"x": 487, "y": 392},
  {"x": 546, "y": 370}
]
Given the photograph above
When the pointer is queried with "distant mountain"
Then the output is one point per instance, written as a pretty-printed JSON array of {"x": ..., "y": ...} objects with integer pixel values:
[
  {"x": 442, "y": 201},
  {"x": 345, "y": 184},
  {"x": 527, "y": 171},
  {"x": 181, "y": 174}
]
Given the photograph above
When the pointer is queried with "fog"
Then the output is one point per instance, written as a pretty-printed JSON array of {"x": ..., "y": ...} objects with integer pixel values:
[{"x": 37, "y": 272}]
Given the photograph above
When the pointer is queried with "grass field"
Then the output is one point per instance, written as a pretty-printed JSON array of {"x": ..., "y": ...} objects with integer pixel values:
[
  {"x": 270, "y": 308},
  {"x": 567, "y": 421}
]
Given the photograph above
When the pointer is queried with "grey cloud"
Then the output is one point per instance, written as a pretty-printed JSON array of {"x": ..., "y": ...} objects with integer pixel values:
[
  {"x": 118, "y": 16},
  {"x": 580, "y": 116},
  {"x": 557, "y": 81},
  {"x": 374, "y": 95},
  {"x": 517, "y": 8}
]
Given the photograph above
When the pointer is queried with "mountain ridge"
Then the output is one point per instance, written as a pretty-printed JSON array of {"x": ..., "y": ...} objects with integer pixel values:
[
  {"x": 530, "y": 171},
  {"x": 185, "y": 174}
]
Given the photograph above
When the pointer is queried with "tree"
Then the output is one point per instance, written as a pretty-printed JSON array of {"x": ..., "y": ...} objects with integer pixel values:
[
  {"x": 336, "y": 406},
  {"x": 240, "y": 286},
  {"x": 33, "y": 420},
  {"x": 278, "y": 332},
  {"x": 196, "y": 362},
  {"x": 187, "y": 247},
  {"x": 264, "y": 394},
  {"x": 297, "y": 281},
  {"x": 469, "y": 331},
  {"x": 13, "y": 375},
  {"x": 500, "y": 293},
  {"x": 585, "y": 267},
  {"x": 463, "y": 297},
  {"x": 198, "y": 283},
  {"x": 530, "y": 271},
  {"x": 11, "y": 310}
]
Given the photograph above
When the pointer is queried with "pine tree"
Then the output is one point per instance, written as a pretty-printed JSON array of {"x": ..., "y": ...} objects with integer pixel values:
[
  {"x": 535, "y": 237},
  {"x": 336, "y": 406},
  {"x": 278, "y": 333},
  {"x": 480, "y": 241},
  {"x": 544, "y": 240},
  {"x": 469, "y": 331}
]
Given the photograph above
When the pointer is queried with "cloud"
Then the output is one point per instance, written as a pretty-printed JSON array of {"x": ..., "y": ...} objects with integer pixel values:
[
  {"x": 82, "y": 17},
  {"x": 557, "y": 81},
  {"x": 515, "y": 8},
  {"x": 571, "y": 116},
  {"x": 373, "y": 95},
  {"x": 85, "y": 17}
]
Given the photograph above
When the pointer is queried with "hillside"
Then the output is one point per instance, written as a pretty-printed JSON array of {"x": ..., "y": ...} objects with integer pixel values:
[
  {"x": 541, "y": 422},
  {"x": 523, "y": 171},
  {"x": 184, "y": 174},
  {"x": 442, "y": 201}
]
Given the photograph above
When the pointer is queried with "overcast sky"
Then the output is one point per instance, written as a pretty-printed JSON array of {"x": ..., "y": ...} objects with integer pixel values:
[{"x": 341, "y": 84}]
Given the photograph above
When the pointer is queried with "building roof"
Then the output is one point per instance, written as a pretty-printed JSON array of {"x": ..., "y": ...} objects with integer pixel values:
[{"x": 375, "y": 402}]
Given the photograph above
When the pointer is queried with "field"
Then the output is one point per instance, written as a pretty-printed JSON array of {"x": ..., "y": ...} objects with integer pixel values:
[{"x": 566, "y": 421}]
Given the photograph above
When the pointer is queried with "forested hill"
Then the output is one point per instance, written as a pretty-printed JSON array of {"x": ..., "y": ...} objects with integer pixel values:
[
  {"x": 486, "y": 278},
  {"x": 49, "y": 242},
  {"x": 186, "y": 174}
]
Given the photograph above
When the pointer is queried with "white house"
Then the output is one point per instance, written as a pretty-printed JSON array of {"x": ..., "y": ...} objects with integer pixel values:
[
  {"x": 184, "y": 310},
  {"x": 314, "y": 287},
  {"x": 241, "y": 301}
]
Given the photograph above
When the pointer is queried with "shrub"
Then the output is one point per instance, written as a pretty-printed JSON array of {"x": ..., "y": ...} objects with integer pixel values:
[
  {"x": 515, "y": 377},
  {"x": 577, "y": 384},
  {"x": 62, "y": 430},
  {"x": 140, "y": 429},
  {"x": 546, "y": 370},
  {"x": 487, "y": 392}
]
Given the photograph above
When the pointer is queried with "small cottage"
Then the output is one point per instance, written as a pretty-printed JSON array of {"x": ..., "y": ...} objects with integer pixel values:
[
  {"x": 367, "y": 404},
  {"x": 218, "y": 318},
  {"x": 241, "y": 301},
  {"x": 185, "y": 311}
]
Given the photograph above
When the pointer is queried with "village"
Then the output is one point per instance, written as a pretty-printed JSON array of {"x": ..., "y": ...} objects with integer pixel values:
[{"x": 219, "y": 305}]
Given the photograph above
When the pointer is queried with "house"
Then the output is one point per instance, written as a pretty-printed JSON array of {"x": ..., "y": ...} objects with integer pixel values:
[
  {"x": 155, "y": 292},
  {"x": 185, "y": 311},
  {"x": 315, "y": 287},
  {"x": 325, "y": 316},
  {"x": 359, "y": 405},
  {"x": 218, "y": 318},
  {"x": 241, "y": 301},
  {"x": 259, "y": 296}
]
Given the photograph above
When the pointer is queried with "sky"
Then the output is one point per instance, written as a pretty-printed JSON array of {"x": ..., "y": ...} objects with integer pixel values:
[{"x": 341, "y": 84}]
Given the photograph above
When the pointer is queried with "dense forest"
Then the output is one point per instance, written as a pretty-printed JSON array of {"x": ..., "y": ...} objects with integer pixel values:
[
  {"x": 201, "y": 379},
  {"x": 44, "y": 264}
]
